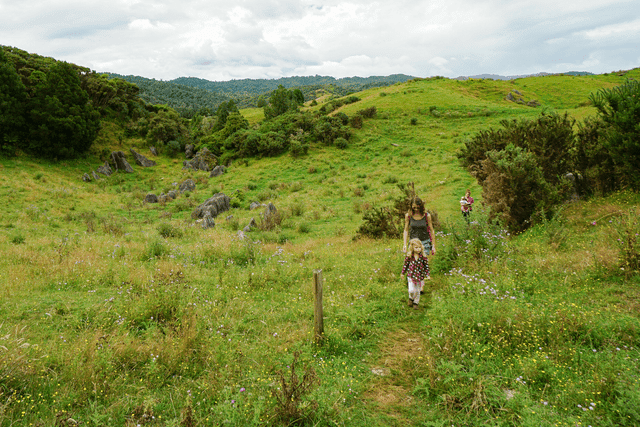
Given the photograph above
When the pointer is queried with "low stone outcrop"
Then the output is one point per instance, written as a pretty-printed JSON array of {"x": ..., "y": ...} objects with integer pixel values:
[
  {"x": 204, "y": 160},
  {"x": 105, "y": 169},
  {"x": 217, "y": 171},
  {"x": 215, "y": 205},
  {"x": 120, "y": 162},
  {"x": 207, "y": 221},
  {"x": 142, "y": 160},
  {"x": 189, "y": 151},
  {"x": 151, "y": 198},
  {"x": 188, "y": 185}
]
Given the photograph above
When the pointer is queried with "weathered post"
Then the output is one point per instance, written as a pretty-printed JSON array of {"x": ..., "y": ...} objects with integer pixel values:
[{"x": 319, "y": 323}]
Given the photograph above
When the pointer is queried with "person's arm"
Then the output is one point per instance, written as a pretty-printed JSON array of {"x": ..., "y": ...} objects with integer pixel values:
[
  {"x": 432, "y": 234},
  {"x": 405, "y": 235}
]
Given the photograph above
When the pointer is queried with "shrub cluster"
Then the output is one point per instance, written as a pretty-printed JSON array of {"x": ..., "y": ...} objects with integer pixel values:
[{"x": 528, "y": 167}]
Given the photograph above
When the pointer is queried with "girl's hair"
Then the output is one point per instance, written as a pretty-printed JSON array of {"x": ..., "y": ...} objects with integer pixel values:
[
  {"x": 418, "y": 202},
  {"x": 412, "y": 244}
]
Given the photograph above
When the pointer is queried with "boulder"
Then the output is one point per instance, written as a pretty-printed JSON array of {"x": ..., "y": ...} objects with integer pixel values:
[
  {"x": 217, "y": 171},
  {"x": 153, "y": 151},
  {"x": 215, "y": 205},
  {"x": 151, "y": 198},
  {"x": 95, "y": 175},
  {"x": 163, "y": 198},
  {"x": 188, "y": 185},
  {"x": 254, "y": 205},
  {"x": 189, "y": 151},
  {"x": 252, "y": 224},
  {"x": 142, "y": 160},
  {"x": 120, "y": 162},
  {"x": 204, "y": 160},
  {"x": 86, "y": 177},
  {"x": 105, "y": 169},
  {"x": 207, "y": 221},
  {"x": 269, "y": 212},
  {"x": 173, "y": 194}
]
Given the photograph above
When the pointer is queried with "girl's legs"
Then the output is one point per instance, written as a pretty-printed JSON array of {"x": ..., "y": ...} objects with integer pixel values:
[{"x": 414, "y": 291}]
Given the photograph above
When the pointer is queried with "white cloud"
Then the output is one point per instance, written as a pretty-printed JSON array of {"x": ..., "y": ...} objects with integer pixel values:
[{"x": 272, "y": 38}]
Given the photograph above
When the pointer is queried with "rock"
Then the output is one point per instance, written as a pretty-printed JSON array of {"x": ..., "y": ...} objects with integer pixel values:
[
  {"x": 241, "y": 235},
  {"x": 188, "y": 185},
  {"x": 254, "y": 205},
  {"x": 188, "y": 151},
  {"x": 120, "y": 162},
  {"x": 163, "y": 198},
  {"x": 86, "y": 177},
  {"x": 215, "y": 205},
  {"x": 269, "y": 212},
  {"x": 229, "y": 218},
  {"x": 151, "y": 198},
  {"x": 142, "y": 160},
  {"x": 95, "y": 175},
  {"x": 153, "y": 151},
  {"x": 217, "y": 171},
  {"x": 105, "y": 169},
  {"x": 510, "y": 97},
  {"x": 207, "y": 220},
  {"x": 173, "y": 194},
  {"x": 204, "y": 160},
  {"x": 533, "y": 103},
  {"x": 252, "y": 224}
]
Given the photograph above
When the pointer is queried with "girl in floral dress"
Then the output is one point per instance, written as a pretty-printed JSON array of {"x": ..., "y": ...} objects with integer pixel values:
[{"x": 416, "y": 268}]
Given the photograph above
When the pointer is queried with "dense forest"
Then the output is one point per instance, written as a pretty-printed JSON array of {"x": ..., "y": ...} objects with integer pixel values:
[
  {"x": 187, "y": 95},
  {"x": 54, "y": 109}
]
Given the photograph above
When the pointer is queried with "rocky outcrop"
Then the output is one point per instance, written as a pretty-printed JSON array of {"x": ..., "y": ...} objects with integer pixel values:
[
  {"x": 188, "y": 185},
  {"x": 105, "y": 169},
  {"x": 189, "y": 151},
  {"x": 142, "y": 160},
  {"x": 217, "y": 171},
  {"x": 204, "y": 160},
  {"x": 215, "y": 205},
  {"x": 151, "y": 198},
  {"x": 121, "y": 163}
]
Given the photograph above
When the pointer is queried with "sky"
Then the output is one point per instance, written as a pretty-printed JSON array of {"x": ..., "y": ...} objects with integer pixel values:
[{"x": 222, "y": 40}]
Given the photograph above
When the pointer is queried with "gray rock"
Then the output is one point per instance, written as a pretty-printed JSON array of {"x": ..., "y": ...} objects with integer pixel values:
[
  {"x": 173, "y": 194},
  {"x": 86, "y": 177},
  {"x": 229, "y": 218},
  {"x": 207, "y": 221},
  {"x": 188, "y": 185},
  {"x": 217, "y": 171},
  {"x": 254, "y": 205},
  {"x": 153, "y": 151},
  {"x": 215, "y": 205},
  {"x": 151, "y": 198},
  {"x": 188, "y": 151},
  {"x": 105, "y": 169},
  {"x": 241, "y": 235},
  {"x": 95, "y": 175},
  {"x": 163, "y": 198},
  {"x": 120, "y": 162},
  {"x": 142, "y": 160},
  {"x": 269, "y": 212},
  {"x": 204, "y": 160},
  {"x": 252, "y": 224}
]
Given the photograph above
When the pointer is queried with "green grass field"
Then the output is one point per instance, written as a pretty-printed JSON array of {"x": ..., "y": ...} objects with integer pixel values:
[{"x": 114, "y": 312}]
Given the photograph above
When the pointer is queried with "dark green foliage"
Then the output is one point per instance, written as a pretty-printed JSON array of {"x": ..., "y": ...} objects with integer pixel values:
[
  {"x": 282, "y": 101},
  {"x": 62, "y": 123},
  {"x": 596, "y": 169},
  {"x": 379, "y": 222},
  {"x": 164, "y": 126},
  {"x": 222, "y": 114},
  {"x": 369, "y": 113},
  {"x": 521, "y": 167},
  {"x": 13, "y": 98},
  {"x": 619, "y": 111}
]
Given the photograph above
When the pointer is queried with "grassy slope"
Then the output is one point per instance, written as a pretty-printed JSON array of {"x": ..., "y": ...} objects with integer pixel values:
[{"x": 115, "y": 336}]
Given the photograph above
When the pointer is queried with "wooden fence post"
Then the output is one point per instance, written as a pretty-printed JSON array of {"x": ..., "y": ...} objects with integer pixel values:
[{"x": 319, "y": 322}]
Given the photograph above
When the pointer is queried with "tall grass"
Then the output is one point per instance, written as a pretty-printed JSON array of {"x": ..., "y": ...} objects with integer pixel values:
[{"x": 114, "y": 312}]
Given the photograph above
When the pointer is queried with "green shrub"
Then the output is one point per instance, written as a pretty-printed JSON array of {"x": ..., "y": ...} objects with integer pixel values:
[
  {"x": 341, "y": 143},
  {"x": 18, "y": 239},
  {"x": 167, "y": 230}
]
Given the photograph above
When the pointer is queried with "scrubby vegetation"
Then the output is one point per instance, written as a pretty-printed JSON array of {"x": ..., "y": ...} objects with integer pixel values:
[{"x": 118, "y": 312}]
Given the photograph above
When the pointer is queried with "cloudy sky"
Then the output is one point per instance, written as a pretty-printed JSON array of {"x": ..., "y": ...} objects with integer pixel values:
[{"x": 223, "y": 40}]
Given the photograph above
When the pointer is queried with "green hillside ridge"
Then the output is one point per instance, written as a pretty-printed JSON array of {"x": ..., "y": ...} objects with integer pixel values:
[{"x": 117, "y": 312}]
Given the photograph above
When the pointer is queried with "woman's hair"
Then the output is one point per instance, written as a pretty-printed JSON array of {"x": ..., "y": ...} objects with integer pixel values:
[
  {"x": 413, "y": 243},
  {"x": 419, "y": 203}
]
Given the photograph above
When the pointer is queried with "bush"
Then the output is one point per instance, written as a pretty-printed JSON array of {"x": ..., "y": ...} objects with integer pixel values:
[
  {"x": 341, "y": 143},
  {"x": 619, "y": 111},
  {"x": 369, "y": 113},
  {"x": 356, "y": 121},
  {"x": 167, "y": 230},
  {"x": 379, "y": 223}
]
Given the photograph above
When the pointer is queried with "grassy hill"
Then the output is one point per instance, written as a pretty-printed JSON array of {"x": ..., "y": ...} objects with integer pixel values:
[{"x": 117, "y": 312}]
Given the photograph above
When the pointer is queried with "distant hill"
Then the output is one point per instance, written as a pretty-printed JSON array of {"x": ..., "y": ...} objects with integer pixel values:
[
  {"x": 189, "y": 94},
  {"x": 542, "y": 74}
]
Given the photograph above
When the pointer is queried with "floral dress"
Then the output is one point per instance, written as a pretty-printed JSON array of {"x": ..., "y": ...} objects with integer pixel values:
[{"x": 416, "y": 269}]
